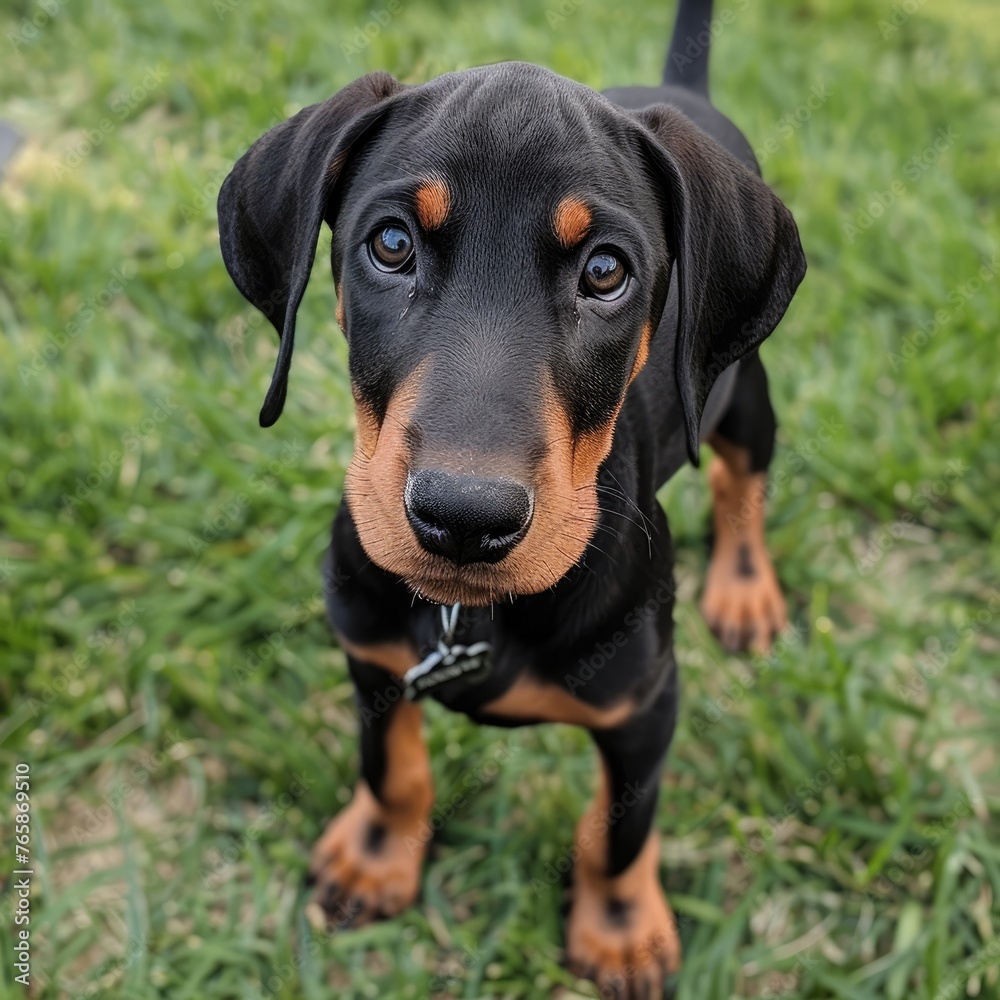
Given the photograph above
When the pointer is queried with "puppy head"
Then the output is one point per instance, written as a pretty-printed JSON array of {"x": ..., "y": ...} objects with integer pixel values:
[{"x": 503, "y": 246}]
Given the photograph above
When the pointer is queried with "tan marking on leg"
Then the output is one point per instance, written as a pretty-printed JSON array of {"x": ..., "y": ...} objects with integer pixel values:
[
  {"x": 742, "y": 604},
  {"x": 367, "y": 863},
  {"x": 433, "y": 202},
  {"x": 529, "y": 698},
  {"x": 393, "y": 657},
  {"x": 621, "y": 932},
  {"x": 571, "y": 221}
]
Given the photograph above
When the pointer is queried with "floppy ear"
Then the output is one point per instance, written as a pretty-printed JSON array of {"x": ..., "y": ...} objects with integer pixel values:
[
  {"x": 736, "y": 253},
  {"x": 272, "y": 205}
]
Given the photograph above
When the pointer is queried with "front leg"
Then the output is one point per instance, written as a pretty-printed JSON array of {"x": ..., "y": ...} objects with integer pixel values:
[
  {"x": 621, "y": 932},
  {"x": 367, "y": 864},
  {"x": 743, "y": 603}
]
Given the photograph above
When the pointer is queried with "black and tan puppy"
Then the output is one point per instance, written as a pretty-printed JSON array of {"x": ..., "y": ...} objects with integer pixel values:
[{"x": 550, "y": 296}]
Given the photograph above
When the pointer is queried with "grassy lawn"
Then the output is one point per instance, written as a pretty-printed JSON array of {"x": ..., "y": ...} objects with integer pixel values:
[{"x": 830, "y": 812}]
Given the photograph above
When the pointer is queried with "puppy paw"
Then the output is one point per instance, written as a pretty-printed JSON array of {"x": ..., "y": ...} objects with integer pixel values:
[
  {"x": 628, "y": 946},
  {"x": 620, "y": 932},
  {"x": 743, "y": 604},
  {"x": 366, "y": 866}
]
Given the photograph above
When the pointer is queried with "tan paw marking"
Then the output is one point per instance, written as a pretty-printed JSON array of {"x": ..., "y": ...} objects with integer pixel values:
[
  {"x": 621, "y": 932},
  {"x": 742, "y": 603},
  {"x": 365, "y": 866}
]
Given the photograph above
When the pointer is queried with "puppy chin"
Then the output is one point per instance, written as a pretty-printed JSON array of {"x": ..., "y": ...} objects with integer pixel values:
[{"x": 438, "y": 580}]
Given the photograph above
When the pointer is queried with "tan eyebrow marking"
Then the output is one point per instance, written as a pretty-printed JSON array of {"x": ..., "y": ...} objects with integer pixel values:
[
  {"x": 571, "y": 221},
  {"x": 433, "y": 200}
]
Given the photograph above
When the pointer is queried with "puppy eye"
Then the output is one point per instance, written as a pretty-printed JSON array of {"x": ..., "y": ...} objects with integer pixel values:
[
  {"x": 391, "y": 248},
  {"x": 604, "y": 277}
]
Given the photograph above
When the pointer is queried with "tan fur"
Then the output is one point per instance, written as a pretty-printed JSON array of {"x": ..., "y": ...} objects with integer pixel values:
[
  {"x": 565, "y": 511},
  {"x": 642, "y": 354},
  {"x": 393, "y": 657},
  {"x": 384, "y": 881},
  {"x": 742, "y": 604},
  {"x": 340, "y": 308},
  {"x": 433, "y": 202},
  {"x": 629, "y": 956},
  {"x": 571, "y": 221},
  {"x": 530, "y": 699}
]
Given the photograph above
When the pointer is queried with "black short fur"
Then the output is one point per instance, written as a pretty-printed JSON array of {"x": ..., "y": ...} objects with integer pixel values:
[{"x": 717, "y": 258}]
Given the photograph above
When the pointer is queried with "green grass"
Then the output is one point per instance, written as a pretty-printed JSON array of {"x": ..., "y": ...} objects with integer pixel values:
[{"x": 829, "y": 814}]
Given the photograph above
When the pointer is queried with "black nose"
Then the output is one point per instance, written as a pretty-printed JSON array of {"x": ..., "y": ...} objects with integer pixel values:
[{"x": 467, "y": 518}]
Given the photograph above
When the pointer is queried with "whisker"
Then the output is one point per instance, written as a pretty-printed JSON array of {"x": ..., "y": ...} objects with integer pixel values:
[{"x": 646, "y": 524}]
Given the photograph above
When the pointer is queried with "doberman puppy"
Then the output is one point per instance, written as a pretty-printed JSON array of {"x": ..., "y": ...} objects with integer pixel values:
[{"x": 550, "y": 297}]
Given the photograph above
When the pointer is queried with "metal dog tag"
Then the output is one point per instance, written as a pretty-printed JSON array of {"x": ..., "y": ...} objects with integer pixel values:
[{"x": 446, "y": 663}]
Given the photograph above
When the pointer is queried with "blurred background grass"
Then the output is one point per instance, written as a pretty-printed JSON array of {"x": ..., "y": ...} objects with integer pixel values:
[{"x": 166, "y": 671}]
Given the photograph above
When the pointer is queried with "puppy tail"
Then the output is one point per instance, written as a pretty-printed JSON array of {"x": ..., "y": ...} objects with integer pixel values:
[{"x": 687, "y": 60}]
